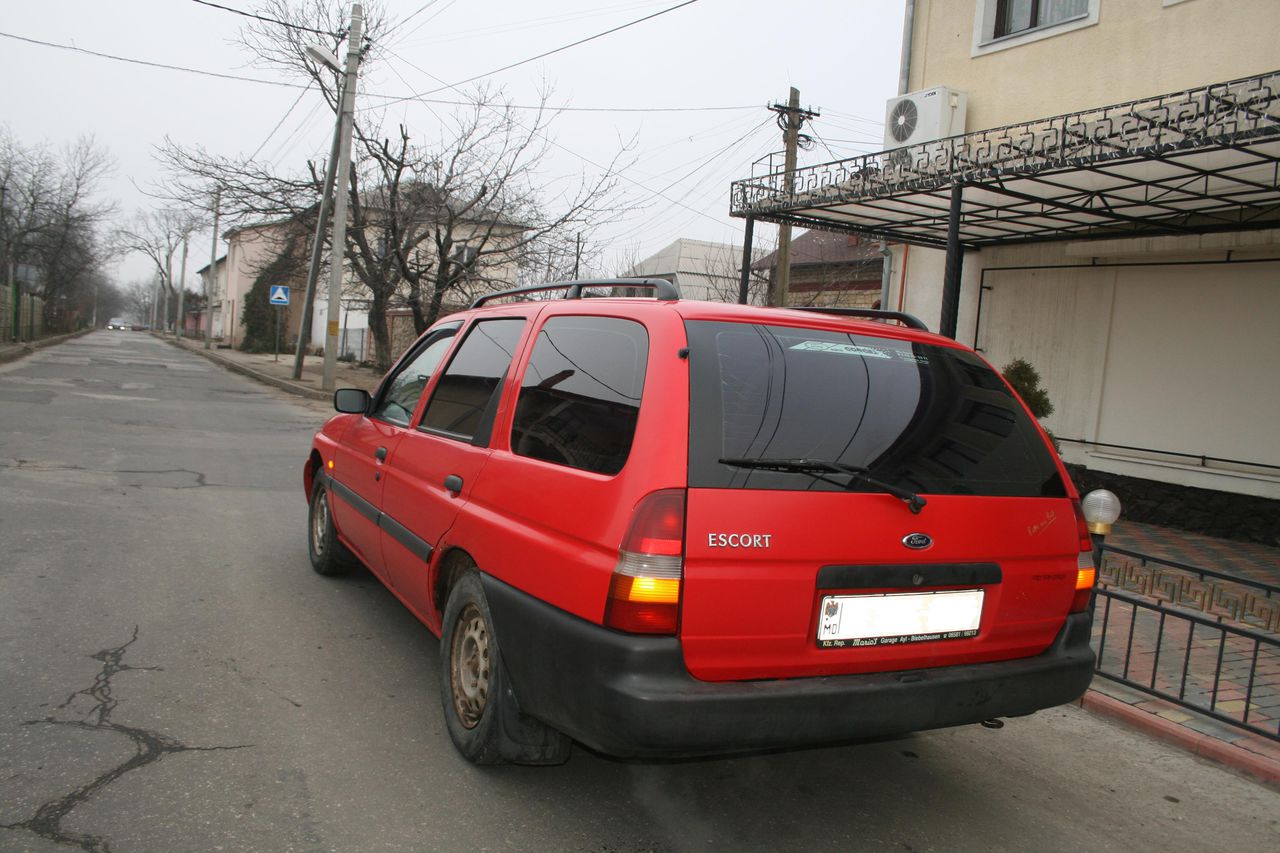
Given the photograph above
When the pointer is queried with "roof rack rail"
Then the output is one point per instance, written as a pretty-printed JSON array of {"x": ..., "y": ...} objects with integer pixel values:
[
  {"x": 909, "y": 320},
  {"x": 662, "y": 288}
]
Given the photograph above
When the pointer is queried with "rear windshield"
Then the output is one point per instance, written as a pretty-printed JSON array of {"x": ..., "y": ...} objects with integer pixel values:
[{"x": 930, "y": 419}]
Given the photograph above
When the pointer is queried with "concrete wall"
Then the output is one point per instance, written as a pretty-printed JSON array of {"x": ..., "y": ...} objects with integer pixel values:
[{"x": 1134, "y": 49}]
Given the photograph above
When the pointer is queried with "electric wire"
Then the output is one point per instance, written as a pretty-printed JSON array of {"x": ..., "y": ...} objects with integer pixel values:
[
  {"x": 165, "y": 66},
  {"x": 520, "y": 26},
  {"x": 286, "y": 115},
  {"x": 266, "y": 19},
  {"x": 545, "y": 54}
]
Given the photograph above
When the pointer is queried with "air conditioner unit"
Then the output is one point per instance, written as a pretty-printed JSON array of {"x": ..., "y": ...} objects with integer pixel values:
[{"x": 924, "y": 116}]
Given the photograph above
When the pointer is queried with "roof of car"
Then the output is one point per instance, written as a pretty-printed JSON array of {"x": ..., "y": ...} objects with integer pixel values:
[{"x": 668, "y": 299}]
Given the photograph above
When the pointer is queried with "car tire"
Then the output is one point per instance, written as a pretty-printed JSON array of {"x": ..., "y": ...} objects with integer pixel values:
[
  {"x": 328, "y": 556},
  {"x": 480, "y": 709}
]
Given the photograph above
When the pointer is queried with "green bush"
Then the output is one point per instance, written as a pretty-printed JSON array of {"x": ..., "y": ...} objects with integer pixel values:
[{"x": 1025, "y": 379}]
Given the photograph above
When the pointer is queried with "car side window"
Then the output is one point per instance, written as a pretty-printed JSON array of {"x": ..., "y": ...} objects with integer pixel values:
[
  {"x": 580, "y": 397},
  {"x": 465, "y": 399},
  {"x": 400, "y": 395}
]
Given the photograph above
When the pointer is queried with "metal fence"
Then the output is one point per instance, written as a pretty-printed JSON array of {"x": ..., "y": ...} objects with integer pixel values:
[
  {"x": 28, "y": 324},
  {"x": 1204, "y": 640}
]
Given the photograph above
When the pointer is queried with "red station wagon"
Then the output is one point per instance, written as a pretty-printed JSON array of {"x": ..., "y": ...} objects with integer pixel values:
[{"x": 672, "y": 528}]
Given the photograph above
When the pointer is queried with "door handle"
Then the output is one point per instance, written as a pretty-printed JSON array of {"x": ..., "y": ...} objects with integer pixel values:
[
  {"x": 453, "y": 483},
  {"x": 380, "y": 453}
]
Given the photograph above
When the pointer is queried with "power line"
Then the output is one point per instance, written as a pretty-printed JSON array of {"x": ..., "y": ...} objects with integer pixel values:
[
  {"x": 75, "y": 49},
  {"x": 550, "y": 52},
  {"x": 266, "y": 19},
  {"x": 286, "y": 115},
  {"x": 551, "y": 141},
  {"x": 389, "y": 99}
]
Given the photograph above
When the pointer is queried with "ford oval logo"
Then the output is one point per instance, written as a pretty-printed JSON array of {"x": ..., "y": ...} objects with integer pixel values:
[{"x": 917, "y": 541}]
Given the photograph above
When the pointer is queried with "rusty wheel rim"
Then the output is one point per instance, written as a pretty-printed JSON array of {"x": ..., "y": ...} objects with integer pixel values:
[{"x": 469, "y": 666}]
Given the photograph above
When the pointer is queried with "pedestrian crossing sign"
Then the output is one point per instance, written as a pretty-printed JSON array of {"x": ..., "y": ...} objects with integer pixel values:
[{"x": 279, "y": 294}]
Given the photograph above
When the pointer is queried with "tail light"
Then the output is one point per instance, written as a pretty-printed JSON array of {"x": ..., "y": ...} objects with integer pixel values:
[
  {"x": 1086, "y": 571},
  {"x": 644, "y": 593}
]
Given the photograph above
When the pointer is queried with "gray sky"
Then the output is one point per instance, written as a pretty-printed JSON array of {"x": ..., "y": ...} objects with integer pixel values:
[{"x": 842, "y": 55}]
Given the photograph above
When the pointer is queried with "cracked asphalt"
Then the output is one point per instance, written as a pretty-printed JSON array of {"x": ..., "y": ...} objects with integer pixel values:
[{"x": 174, "y": 677}]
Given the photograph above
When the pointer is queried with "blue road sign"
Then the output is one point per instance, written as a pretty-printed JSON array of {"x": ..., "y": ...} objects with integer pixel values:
[{"x": 279, "y": 294}]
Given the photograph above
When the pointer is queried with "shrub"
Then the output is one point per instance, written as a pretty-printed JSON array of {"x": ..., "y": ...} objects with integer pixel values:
[{"x": 1025, "y": 379}]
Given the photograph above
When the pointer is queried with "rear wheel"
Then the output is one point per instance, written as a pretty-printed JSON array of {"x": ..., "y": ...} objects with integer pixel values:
[
  {"x": 328, "y": 555},
  {"x": 480, "y": 711}
]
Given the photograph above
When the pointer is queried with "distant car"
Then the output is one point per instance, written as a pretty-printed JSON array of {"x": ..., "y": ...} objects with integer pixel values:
[
  {"x": 139, "y": 327},
  {"x": 117, "y": 323}
]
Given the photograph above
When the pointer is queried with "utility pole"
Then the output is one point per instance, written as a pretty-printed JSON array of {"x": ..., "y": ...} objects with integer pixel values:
[
  {"x": 790, "y": 118},
  {"x": 168, "y": 285},
  {"x": 210, "y": 283},
  {"x": 337, "y": 253},
  {"x": 577, "y": 255},
  {"x": 317, "y": 246},
  {"x": 182, "y": 288}
]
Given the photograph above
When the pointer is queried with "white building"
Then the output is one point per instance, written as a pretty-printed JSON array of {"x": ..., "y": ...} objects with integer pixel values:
[{"x": 702, "y": 270}]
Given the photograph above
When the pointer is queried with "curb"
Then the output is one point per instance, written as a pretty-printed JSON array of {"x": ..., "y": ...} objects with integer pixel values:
[
  {"x": 1258, "y": 767},
  {"x": 236, "y": 367},
  {"x": 13, "y": 353}
]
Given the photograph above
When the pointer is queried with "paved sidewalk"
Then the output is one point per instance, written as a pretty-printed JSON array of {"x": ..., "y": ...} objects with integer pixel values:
[
  {"x": 1246, "y": 752},
  {"x": 1208, "y": 666},
  {"x": 266, "y": 367}
]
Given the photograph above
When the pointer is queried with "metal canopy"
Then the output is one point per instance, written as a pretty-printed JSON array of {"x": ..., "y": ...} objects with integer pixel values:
[{"x": 1190, "y": 162}]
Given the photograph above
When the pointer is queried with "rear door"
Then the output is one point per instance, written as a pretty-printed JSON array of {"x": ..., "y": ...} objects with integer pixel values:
[
  {"x": 812, "y": 572},
  {"x": 437, "y": 464}
]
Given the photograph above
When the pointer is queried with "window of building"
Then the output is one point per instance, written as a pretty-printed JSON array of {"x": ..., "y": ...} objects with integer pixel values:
[
  {"x": 580, "y": 397},
  {"x": 1001, "y": 24},
  {"x": 465, "y": 399}
]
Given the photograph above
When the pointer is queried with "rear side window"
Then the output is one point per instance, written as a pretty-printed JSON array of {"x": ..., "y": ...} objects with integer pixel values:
[
  {"x": 931, "y": 419},
  {"x": 581, "y": 393},
  {"x": 465, "y": 399}
]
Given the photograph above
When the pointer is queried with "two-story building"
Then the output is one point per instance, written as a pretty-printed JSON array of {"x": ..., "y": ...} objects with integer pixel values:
[{"x": 1092, "y": 186}]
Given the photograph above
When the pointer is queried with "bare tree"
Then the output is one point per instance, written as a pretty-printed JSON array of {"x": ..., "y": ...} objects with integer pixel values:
[
  {"x": 51, "y": 220},
  {"x": 158, "y": 234},
  {"x": 432, "y": 222}
]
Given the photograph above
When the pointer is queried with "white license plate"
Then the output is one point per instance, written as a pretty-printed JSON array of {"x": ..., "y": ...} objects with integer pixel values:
[{"x": 896, "y": 619}]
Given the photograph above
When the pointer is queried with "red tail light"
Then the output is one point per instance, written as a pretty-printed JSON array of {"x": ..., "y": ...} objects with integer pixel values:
[
  {"x": 644, "y": 594},
  {"x": 1086, "y": 571}
]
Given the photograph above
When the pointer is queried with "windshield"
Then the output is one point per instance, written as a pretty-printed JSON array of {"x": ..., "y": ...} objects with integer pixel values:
[{"x": 924, "y": 418}]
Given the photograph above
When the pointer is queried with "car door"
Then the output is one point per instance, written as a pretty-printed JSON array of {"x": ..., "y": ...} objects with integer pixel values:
[
  {"x": 436, "y": 465},
  {"x": 361, "y": 458}
]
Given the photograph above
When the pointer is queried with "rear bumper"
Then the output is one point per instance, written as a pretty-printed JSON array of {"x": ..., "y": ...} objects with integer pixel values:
[{"x": 630, "y": 695}]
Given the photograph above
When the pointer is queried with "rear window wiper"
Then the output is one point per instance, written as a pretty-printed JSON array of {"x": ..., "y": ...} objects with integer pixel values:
[{"x": 818, "y": 467}]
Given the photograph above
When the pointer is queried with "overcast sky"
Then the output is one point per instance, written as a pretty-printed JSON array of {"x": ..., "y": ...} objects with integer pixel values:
[{"x": 842, "y": 55}]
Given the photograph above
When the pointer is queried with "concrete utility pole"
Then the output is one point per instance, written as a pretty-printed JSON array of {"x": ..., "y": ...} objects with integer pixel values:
[
  {"x": 337, "y": 252},
  {"x": 790, "y": 118},
  {"x": 317, "y": 248},
  {"x": 168, "y": 285},
  {"x": 210, "y": 282},
  {"x": 182, "y": 288}
]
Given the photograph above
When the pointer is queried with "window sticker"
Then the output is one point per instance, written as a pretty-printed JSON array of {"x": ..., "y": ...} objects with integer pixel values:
[
  {"x": 842, "y": 349},
  {"x": 911, "y": 357}
]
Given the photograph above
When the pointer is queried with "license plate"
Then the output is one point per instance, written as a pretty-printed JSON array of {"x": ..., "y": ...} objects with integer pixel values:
[{"x": 896, "y": 619}]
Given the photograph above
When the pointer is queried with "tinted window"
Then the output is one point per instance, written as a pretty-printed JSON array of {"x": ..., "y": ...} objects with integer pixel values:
[
  {"x": 930, "y": 419},
  {"x": 400, "y": 395},
  {"x": 466, "y": 397},
  {"x": 581, "y": 393}
]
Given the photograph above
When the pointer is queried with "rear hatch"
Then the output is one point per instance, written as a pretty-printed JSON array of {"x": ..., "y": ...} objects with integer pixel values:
[{"x": 803, "y": 553}]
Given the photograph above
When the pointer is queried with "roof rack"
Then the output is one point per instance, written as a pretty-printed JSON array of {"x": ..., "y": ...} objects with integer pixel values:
[
  {"x": 662, "y": 288},
  {"x": 908, "y": 320}
]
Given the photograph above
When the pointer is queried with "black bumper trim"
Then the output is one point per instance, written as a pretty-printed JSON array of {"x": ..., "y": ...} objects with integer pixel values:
[
  {"x": 417, "y": 546},
  {"x": 631, "y": 696},
  {"x": 892, "y": 576}
]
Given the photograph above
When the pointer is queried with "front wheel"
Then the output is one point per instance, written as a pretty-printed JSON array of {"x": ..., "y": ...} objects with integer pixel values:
[{"x": 328, "y": 555}]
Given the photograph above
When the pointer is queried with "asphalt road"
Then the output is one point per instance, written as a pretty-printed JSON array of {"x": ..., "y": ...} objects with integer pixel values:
[{"x": 173, "y": 676}]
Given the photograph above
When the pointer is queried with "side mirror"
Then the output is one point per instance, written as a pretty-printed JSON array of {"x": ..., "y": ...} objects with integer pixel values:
[{"x": 351, "y": 401}]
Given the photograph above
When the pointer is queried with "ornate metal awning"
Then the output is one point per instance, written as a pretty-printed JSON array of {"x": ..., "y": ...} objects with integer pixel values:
[{"x": 1190, "y": 162}]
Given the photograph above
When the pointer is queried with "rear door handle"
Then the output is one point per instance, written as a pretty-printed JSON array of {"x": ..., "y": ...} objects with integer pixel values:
[
  {"x": 453, "y": 483},
  {"x": 380, "y": 453}
]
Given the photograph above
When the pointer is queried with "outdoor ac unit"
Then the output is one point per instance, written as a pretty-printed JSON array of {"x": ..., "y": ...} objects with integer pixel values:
[{"x": 924, "y": 116}]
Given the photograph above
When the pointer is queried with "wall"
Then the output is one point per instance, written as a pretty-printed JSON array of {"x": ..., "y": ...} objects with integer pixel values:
[{"x": 1137, "y": 49}]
